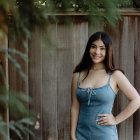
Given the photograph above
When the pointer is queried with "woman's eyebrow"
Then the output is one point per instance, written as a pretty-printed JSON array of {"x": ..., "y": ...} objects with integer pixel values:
[{"x": 96, "y": 45}]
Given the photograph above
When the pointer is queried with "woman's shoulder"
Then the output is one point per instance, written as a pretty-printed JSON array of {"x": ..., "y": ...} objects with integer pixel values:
[
  {"x": 117, "y": 74},
  {"x": 75, "y": 76}
]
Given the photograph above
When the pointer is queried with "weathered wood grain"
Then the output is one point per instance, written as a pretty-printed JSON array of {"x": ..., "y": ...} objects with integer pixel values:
[
  {"x": 64, "y": 73},
  {"x": 16, "y": 81},
  {"x": 136, "y": 117},
  {"x": 92, "y": 28},
  {"x": 127, "y": 64},
  {"x": 35, "y": 83},
  {"x": 49, "y": 85},
  {"x": 4, "y": 113},
  {"x": 80, "y": 38}
]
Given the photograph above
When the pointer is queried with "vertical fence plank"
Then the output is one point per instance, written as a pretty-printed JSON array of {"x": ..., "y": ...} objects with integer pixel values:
[
  {"x": 49, "y": 84},
  {"x": 35, "y": 82},
  {"x": 80, "y": 38},
  {"x": 127, "y": 64},
  {"x": 64, "y": 73},
  {"x": 4, "y": 65},
  {"x": 16, "y": 81},
  {"x": 136, "y": 119},
  {"x": 92, "y": 28}
]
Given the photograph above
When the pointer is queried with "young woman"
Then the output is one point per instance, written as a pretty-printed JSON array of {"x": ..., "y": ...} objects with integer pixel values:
[{"x": 95, "y": 84}]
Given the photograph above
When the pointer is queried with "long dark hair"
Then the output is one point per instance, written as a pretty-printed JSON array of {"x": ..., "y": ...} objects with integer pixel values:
[{"x": 86, "y": 62}]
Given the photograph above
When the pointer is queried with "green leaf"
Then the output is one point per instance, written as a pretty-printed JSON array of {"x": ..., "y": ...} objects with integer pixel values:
[
  {"x": 27, "y": 121},
  {"x": 14, "y": 129},
  {"x": 17, "y": 66}
]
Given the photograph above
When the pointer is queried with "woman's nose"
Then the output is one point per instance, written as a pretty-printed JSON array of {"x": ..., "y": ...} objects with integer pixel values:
[{"x": 97, "y": 51}]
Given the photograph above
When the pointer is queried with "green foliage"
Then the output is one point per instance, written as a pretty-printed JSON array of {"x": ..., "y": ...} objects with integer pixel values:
[
  {"x": 21, "y": 126},
  {"x": 22, "y": 16},
  {"x": 7, "y": 52},
  {"x": 125, "y": 3},
  {"x": 18, "y": 127},
  {"x": 17, "y": 102},
  {"x": 136, "y": 3},
  {"x": 17, "y": 105},
  {"x": 3, "y": 131}
]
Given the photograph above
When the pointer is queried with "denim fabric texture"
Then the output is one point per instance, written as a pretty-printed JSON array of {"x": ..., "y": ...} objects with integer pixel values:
[{"x": 94, "y": 101}]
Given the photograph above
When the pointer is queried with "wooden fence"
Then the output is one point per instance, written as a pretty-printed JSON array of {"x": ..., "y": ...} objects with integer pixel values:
[{"x": 50, "y": 72}]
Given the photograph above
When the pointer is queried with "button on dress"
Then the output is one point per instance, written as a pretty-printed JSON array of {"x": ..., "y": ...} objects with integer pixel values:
[{"x": 94, "y": 101}]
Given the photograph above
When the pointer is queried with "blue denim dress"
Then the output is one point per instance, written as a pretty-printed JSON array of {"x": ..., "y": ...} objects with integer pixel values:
[{"x": 94, "y": 101}]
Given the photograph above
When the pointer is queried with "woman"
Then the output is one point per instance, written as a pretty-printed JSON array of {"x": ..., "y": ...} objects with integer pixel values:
[{"x": 95, "y": 84}]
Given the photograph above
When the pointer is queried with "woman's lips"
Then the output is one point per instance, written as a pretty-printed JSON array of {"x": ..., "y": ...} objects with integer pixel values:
[{"x": 96, "y": 57}]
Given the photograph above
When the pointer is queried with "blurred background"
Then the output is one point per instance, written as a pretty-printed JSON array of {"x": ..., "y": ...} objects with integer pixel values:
[{"x": 41, "y": 41}]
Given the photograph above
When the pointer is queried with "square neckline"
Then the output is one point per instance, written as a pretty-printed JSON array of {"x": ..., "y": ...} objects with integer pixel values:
[
  {"x": 96, "y": 88},
  {"x": 108, "y": 82},
  {"x": 92, "y": 87}
]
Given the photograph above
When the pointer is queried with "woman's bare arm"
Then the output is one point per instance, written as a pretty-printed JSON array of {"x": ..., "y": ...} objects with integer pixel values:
[
  {"x": 126, "y": 87},
  {"x": 74, "y": 106}
]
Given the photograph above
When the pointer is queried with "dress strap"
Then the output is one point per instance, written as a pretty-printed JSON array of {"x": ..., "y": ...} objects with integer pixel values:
[
  {"x": 109, "y": 78},
  {"x": 79, "y": 79}
]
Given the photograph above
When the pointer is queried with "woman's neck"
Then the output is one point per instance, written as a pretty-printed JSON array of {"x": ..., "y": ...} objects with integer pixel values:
[{"x": 98, "y": 66}]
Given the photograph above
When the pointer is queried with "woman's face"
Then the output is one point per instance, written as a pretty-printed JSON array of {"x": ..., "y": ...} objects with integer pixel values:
[{"x": 97, "y": 51}]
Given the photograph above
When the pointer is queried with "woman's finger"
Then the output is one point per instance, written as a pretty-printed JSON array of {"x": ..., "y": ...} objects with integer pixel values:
[
  {"x": 101, "y": 122},
  {"x": 103, "y": 118},
  {"x": 105, "y": 123},
  {"x": 102, "y": 114}
]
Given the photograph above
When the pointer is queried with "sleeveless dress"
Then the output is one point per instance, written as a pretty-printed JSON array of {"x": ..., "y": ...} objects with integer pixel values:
[{"x": 94, "y": 101}]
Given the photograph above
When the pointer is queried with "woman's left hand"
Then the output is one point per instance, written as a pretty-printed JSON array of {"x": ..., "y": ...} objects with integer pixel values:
[{"x": 107, "y": 119}]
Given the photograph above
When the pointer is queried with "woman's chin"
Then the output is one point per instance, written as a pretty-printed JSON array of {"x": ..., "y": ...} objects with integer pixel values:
[{"x": 96, "y": 61}]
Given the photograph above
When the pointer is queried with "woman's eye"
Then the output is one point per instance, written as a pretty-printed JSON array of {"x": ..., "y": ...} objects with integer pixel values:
[
  {"x": 102, "y": 48},
  {"x": 93, "y": 46}
]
